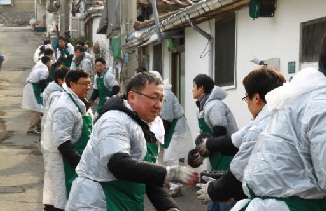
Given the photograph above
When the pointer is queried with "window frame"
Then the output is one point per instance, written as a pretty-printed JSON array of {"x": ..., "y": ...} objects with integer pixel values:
[{"x": 226, "y": 19}]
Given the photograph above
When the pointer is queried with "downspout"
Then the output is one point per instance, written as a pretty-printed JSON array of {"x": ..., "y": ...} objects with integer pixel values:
[
  {"x": 157, "y": 26},
  {"x": 211, "y": 43}
]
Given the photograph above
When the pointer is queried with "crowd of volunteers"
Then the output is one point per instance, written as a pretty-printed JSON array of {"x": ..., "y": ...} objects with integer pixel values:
[{"x": 139, "y": 142}]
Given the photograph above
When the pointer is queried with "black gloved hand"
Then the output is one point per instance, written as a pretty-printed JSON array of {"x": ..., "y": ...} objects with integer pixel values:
[
  {"x": 70, "y": 56},
  {"x": 69, "y": 153},
  {"x": 194, "y": 158},
  {"x": 226, "y": 188}
]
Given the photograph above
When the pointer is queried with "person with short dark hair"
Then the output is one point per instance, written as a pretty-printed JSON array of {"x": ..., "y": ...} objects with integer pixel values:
[
  {"x": 83, "y": 60},
  {"x": 286, "y": 169},
  {"x": 113, "y": 173},
  {"x": 32, "y": 93},
  {"x": 54, "y": 88},
  {"x": 51, "y": 92},
  {"x": 65, "y": 52},
  {"x": 66, "y": 132},
  {"x": 40, "y": 51},
  {"x": 257, "y": 84},
  {"x": 215, "y": 119},
  {"x": 81, "y": 43},
  {"x": 105, "y": 84}
]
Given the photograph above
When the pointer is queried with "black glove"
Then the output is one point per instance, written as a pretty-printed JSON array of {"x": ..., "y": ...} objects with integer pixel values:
[
  {"x": 69, "y": 153},
  {"x": 70, "y": 56},
  {"x": 225, "y": 188},
  {"x": 194, "y": 158},
  {"x": 215, "y": 174}
]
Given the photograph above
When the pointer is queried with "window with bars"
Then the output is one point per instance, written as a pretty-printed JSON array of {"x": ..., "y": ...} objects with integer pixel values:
[
  {"x": 311, "y": 34},
  {"x": 225, "y": 51},
  {"x": 75, "y": 27}
]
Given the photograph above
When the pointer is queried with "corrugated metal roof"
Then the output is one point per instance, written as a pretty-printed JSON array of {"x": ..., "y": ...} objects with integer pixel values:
[
  {"x": 201, "y": 11},
  {"x": 161, "y": 3}
]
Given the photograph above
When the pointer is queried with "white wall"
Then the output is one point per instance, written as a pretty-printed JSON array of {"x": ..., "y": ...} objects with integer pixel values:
[
  {"x": 195, "y": 45},
  {"x": 104, "y": 42},
  {"x": 277, "y": 37}
]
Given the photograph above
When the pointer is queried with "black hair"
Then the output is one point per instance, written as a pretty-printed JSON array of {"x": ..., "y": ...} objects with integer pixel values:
[
  {"x": 100, "y": 60},
  {"x": 141, "y": 69},
  {"x": 75, "y": 74},
  {"x": 138, "y": 82},
  {"x": 82, "y": 43},
  {"x": 45, "y": 59},
  {"x": 62, "y": 38},
  {"x": 79, "y": 48},
  {"x": 262, "y": 81},
  {"x": 47, "y": 41},
  {"x": 48, "y": 52},
  {"x": 203, "y": 80},
  {"x": 60, "y": 73}
]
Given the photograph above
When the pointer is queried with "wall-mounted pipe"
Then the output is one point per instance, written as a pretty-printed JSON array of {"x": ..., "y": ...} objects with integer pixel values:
[
  {"x": 211, "y": 45},
  {"x": 136, "y": 38},
  {"x": 158, "y": 30}
]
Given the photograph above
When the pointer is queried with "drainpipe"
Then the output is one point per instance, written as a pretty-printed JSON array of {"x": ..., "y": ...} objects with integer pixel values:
[
  {"x": 157, "y": 26},
  {"x": 211, "y": 43}
]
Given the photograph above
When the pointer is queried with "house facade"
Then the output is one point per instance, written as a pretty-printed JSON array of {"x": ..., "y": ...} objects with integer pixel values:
[
  {"x": 288, "y": 39},
  {"x": 225, "y": 39}
]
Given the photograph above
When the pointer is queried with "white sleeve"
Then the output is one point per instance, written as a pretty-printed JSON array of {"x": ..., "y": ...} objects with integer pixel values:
[
  {"x": 115, "y": 140},
  {"x": 315, "y": 134},
  {"x": 63, "y": 123},
  {"x": 110, "y": 81}
]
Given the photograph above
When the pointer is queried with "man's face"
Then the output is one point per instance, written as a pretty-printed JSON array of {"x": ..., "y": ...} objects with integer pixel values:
[
  {"x": 255, "y": 104},
  {"x": 197, "y": 91},
  {"x": 99, "y": 67},
  {"x": 147, "y": 108},
  {"x": 81, "y": 87},
  {"x": 78, "y": 54},
  {"x": 61, "y": 43},
  {"x": 48, "y": 64}
]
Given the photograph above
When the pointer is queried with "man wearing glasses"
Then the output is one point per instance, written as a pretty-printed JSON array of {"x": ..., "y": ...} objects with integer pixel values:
[
  {"x": 257, "y": 84},
  {"x": 114, "y": 172},
  {"x": 66, "y": 133}
]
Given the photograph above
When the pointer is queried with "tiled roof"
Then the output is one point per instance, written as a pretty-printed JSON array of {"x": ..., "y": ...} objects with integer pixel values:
[{"x": 181, "y": 3}]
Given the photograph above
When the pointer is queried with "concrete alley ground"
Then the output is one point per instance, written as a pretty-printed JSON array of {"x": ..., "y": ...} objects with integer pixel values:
[{"x": 21, "y": 162}]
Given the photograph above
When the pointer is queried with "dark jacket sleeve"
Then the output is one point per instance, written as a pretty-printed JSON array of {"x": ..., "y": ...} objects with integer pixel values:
[
  {"x": 225, "y": 188},
  {"x": 219, "y": 131},
  {"x": 115, "y": 90},
  {"x": 123, "y": 167},
  {"x": 160, "y": 198},
  {"x": 43, "y": 83},
  {"x": 69, "y": 153},
  {"x": 94, "y": 95},
  {"x": 221, "y": 144}
]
